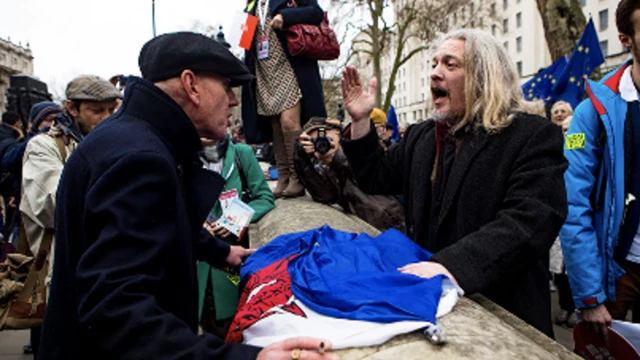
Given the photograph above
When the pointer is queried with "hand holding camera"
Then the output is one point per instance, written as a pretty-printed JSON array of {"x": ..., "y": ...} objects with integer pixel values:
[{"x": 322, "y": 146}]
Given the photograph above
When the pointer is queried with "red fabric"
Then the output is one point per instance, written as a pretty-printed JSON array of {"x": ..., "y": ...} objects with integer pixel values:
[
  {"x": 317, "y": 42},
  {"x": 590, "y": 301},
  {"x": 271, "y": 287}
]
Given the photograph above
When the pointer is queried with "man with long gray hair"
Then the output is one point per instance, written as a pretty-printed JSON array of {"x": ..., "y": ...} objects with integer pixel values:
[{"x": 482, "y": 181}]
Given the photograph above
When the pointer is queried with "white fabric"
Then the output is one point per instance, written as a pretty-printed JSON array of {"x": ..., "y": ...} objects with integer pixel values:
[{"x": 342, "y": 333}]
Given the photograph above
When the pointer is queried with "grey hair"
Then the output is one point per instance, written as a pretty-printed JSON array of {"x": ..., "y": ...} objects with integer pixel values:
[
  {"x": 492, "y": 89},
  {"x": 562, "y": 102}
]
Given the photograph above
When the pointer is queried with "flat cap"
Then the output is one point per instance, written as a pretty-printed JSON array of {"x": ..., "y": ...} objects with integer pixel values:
[
  {"x": 317, "y": 122},
  {"x": 167, "y": 56},
  {"x": 91, "y": 88}
]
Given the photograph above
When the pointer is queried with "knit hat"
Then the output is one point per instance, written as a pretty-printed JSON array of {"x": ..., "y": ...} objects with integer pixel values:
[
  {"x": 378, "y": 116},
  {"x": 41, "y": 110}
]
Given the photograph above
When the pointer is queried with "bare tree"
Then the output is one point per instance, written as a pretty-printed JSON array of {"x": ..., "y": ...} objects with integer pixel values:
[
  {"x": 563, "y": 22},
  {"x": 414, "y": 25}
]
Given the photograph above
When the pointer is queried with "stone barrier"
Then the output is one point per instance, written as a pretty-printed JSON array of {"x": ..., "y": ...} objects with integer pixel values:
[{"x": 476, "y": 329}]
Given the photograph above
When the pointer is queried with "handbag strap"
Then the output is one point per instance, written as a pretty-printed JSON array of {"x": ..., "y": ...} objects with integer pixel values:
[
  {"x": 246, "y": 192},
  {"x": 61, "y": 148},
  {"x": 39, "y": 269}
]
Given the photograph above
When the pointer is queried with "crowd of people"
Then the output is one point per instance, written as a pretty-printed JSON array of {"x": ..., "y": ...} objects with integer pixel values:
[{"x": 125, "y": 191}]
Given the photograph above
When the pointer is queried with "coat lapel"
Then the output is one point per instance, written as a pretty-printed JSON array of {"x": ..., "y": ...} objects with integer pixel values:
[{"x": 469, "y": 149}]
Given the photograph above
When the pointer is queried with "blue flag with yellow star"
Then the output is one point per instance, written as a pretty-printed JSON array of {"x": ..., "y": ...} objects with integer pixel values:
[
  {"x": 539, "y": 87},
  {"x": 585, "y": 57}
]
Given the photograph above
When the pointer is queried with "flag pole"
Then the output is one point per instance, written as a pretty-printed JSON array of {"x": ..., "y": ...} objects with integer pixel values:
[{"x": 153, "y": 16}]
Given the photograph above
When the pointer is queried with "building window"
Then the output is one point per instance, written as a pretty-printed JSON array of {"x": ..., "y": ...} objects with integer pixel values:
[
  {"x": 455, "y": 18},
  {"x": 583, "y": 3},
  {"x": 604, "y": 19},
  {"x": 506, "y": 45},
  {"x": 505, "y": 4},
  {"x": 494, "y": 30},
  {"x": 422, "y": 81},
  {"x": 505, "y": 26},
  {"x": 493, "y": 9},
  {"x": 473, "y": 24},
  {"x": 519, "y": 20},
  {"x": 604, "y": 47},
  {"x": 463, "y": 16},
  {"x": 422, "y": 96},
  {"x": 519, "y": 44},
  {"x": 519, "y": 65}
]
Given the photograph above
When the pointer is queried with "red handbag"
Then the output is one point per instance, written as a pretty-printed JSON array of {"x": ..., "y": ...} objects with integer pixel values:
[{"x": 317, "y": 42}]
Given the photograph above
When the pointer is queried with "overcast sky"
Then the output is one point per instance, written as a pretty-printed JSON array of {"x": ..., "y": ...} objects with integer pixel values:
[{"x": 102, "y": 37}]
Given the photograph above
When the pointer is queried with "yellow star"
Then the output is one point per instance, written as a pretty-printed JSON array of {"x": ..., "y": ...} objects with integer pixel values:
[
  {"x": 533, "y": 85},
  {"x": 539, "y": 79},
  {"x": 586, "y": 50},
  {"x": 572, "y": 79},
  {"x": 578, "y": 83},
  {"x": 580, "y": 48},
  {"x": 553, "y": 81},
  {"x": 548, "y": 98}
]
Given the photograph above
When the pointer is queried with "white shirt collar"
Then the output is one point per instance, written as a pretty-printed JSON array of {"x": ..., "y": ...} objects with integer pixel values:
[{"x": 628, "y": 90}]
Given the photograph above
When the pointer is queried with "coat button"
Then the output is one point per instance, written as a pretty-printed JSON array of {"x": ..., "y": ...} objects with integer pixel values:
[{"x": 180, "y": 170}]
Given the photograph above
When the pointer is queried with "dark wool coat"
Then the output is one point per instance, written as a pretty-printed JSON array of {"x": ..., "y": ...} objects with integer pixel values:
[
  {"x": 130, "y": 205},
  {"x": 257, "y": 128},
  {"x": 503, "y": 206}
]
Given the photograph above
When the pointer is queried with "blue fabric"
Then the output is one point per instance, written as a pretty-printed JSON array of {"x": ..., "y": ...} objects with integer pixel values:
[
  {"x": 585, "y": 57},
  {"x": 352, "y": 276},
  {"x": 539, "y": 87},
  {"x": 392, "y": 119},
  {"x": 588, "y": 237}
]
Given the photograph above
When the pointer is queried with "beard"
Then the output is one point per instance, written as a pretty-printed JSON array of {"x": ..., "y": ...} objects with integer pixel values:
[{"x": 446, "y": 117}]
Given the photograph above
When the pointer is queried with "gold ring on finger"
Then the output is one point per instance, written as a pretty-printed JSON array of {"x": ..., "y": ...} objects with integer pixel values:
[{"x": 295, "y": 354}]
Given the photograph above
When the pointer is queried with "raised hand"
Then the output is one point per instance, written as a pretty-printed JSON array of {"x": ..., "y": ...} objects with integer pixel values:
[{"x": 357, "y": 102}]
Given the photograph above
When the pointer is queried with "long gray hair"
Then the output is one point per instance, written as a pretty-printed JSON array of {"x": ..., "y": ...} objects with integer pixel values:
[{"x": 492, "y": 90}]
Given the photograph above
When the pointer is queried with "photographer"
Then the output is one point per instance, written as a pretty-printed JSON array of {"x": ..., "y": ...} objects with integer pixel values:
[{"x": 323, "y": 169}]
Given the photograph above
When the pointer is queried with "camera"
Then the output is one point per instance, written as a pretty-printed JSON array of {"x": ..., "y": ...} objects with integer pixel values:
[{"x": 322, "y": 143}]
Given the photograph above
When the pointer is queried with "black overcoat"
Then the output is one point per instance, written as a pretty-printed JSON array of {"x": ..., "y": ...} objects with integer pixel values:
[
  {"x": 130, "y": 207},
  {"x": 503, "y": 206},
  {"x": 257, "y": 129}
]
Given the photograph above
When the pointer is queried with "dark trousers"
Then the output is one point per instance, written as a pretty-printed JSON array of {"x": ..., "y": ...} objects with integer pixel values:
[
  {"x": 627, "y": 292},
  {"x": 564, "y": 292},
  {"x": 35, "y": 340}
]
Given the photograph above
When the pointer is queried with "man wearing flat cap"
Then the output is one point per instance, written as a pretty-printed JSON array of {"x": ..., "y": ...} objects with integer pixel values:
[
  {"x": 90, "y": 99},
  {"x": 132, "y": 202}
]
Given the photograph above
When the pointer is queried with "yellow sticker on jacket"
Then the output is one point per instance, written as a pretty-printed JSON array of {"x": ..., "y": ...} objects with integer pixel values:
[
  {"x": 234, "y": 278},
  {"x": 575, "y": 141}
]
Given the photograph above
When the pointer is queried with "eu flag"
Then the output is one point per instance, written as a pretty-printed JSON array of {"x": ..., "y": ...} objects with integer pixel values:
[
  {"x": 585, "y": 57},
  {"x": 539, "y": 87},
  {"x": 392, "y": 119}
]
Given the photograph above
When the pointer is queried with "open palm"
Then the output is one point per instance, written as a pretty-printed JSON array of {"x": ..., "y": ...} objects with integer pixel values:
[{"x": 359, "y": 103}]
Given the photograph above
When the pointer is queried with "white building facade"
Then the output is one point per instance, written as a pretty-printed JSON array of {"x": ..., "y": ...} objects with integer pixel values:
[{"x": 14, "y": 59}]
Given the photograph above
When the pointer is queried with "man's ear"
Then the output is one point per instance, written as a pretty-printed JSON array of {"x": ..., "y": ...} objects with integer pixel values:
[
  {"x": 191, "y": 86},
  {"x": 626, "y": 41},
  {"x": 71, "y": 108}
]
